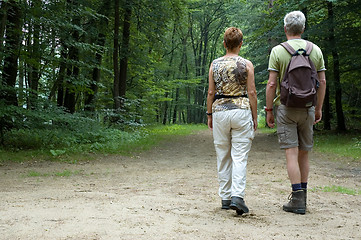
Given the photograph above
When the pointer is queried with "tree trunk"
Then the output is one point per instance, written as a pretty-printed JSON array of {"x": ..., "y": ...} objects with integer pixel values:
[
  {"x": 189, "y": 105},
  {"x": 72, "y": 73},
  {"x": 196, "y": 51},
  {"x": 116, "y": 55},
  {"x": 69, "y": 99},
  {"x": 326, "y": 103},
  {"x": 21, "y": 82},
  {"x": 34, "y": 73},
  {"x": 271, "y": 43},
  {"x": 59, "y": 84},
  {"x": 165, "y": 110},
  {"x": 327, "y": 110},
  {"x": 125, "y": 49},
  {"x": 3, "y": 18},
  {"x": 186, "y": 119},
  {"x": 336, "y": 70},
  {"x": 102, "y": 26},
  {"x": 91, "y": 97},
  {"x": 72, "y": 69},
  {"x": 203, "y": 97},
  {"x": 12, "y": 46},
  {"x": 175, "y": 106}
]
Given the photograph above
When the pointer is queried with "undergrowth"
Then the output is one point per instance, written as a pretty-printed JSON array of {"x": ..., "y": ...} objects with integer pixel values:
[{"x": 70, "y": 146}]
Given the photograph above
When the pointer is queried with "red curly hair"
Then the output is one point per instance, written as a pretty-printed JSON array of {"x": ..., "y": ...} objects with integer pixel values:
[{"x": 233, "y": 37}]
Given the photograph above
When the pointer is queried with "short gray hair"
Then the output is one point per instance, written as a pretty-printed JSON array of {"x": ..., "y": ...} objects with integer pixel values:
[{"x": 294, "y": 22}]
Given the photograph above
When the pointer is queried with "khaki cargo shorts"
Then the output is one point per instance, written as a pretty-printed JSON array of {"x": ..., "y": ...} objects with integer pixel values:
[{"x": 295, "y": 127}]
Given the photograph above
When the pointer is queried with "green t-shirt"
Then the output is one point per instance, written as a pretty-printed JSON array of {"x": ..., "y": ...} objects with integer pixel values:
[{"x": 280, "y": 58}]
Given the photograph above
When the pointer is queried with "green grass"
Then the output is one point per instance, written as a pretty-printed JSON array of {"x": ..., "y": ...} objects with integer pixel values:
[
  {"x": 266, "y": 129},
  {"x": 342, "y": 145},
  {"x": 65, "y": 173},
  {"x": 339, "y": 189},
  {"x": 36, "y": 174},
  {"x": 337, "y": 145},
  {"x": 153, "y": 135},
  {"x": 19, "y": 156},
  {"x": 176, "y": 129}
]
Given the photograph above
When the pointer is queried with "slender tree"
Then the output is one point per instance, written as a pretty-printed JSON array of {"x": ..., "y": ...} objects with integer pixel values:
[
  {"x": 72, "y": 71},
  {"x": 124, "y": 53},
  {"x": 327, "y": 104},
  {"x": 12, "y": 51},
  {"x": 3, "y": 19},
  {"x": 59, "y": 84},
  {"x": 35, "y": 54},
  {"x": 336, "y": 69},
  {"x": 100, "y": 27},
  {"x": 116, "y": 83}
]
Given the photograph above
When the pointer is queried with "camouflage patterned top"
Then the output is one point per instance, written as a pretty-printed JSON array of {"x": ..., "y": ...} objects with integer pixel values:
[{"x": 230, "y": 77}]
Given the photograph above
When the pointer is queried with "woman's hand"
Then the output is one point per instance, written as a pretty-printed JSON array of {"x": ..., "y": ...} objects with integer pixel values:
[
  {"x": 255, "y": 124},
  {"x": 210, "y": 122}
]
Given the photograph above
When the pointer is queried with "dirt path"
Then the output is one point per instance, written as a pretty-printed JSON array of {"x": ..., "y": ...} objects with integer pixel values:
[{"x": 170, "y": 192}]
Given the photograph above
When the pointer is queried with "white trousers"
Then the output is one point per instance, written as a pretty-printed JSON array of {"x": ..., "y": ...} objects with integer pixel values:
[{"x": 233, "y": 134}]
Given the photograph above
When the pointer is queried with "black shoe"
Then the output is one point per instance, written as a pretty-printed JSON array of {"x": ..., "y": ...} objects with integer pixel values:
[
  {"x": 297, "y": 203},
  {"x": 239, "y": 212},
  {"x": 225, "y": 204},
  {"x": 238, "y": 204}
]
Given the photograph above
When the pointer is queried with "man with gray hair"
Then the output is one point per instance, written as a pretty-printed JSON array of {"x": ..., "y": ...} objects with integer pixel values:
[{"x": 294, "y": 125}]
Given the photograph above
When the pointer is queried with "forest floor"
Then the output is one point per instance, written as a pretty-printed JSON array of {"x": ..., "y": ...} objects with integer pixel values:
[{"x": 170, "y": 192}]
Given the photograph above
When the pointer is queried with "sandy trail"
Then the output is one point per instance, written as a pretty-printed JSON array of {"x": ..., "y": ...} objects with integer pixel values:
[{"x": 170, "y": 192}]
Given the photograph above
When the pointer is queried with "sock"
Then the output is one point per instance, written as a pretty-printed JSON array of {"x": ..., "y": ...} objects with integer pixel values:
[
  {"x": 296, "y": 187},
  {"x": 304, "y": 185}
]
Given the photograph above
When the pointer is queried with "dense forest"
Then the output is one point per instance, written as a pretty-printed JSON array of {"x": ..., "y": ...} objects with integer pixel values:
[{"x": 132, "y": 62}]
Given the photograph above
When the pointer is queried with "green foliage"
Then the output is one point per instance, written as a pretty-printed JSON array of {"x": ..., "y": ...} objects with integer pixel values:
[
  {"x": 264, "y": 29},
  {"x": 56, "y": 153},
  {"x": 45, "y": 128},
  {"x": 172, "y": 44}
]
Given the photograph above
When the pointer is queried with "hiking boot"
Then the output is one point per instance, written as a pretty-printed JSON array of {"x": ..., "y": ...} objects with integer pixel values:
[
  {"x": 225, "y": 204},
  {"x": 305, "y": 190},
  {"x": 238, "y": 204},
  {"x": 297, "y": 202}
]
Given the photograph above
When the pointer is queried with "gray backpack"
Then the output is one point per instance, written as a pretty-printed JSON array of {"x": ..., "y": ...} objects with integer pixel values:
[{"x": 300, "y": 82}]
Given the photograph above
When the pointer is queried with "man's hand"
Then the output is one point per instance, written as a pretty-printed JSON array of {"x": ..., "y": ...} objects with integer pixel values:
[
  {"x": 270, "y": 119},
  {"x": 318, "y": 116}
]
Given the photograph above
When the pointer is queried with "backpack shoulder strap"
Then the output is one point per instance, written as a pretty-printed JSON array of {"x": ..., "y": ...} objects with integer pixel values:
[
  {"x": 288, "y": 47},
  {"x": 309, "y": 47}
]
